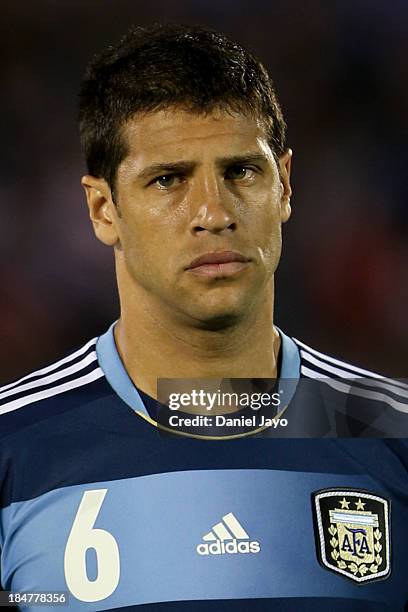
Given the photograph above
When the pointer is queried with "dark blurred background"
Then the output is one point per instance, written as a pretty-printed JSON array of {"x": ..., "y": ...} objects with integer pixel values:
[{"x": 340, "y": 68}]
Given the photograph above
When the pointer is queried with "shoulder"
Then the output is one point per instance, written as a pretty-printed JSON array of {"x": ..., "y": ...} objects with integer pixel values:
[
  {"x": 360, "y": 386},
  {"x": 44, "y": 389}
]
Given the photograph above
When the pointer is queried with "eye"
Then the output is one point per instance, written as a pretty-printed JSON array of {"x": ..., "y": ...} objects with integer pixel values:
[
  {"x": 240, "y": 173},
  {"x": 166, "y": 181}
]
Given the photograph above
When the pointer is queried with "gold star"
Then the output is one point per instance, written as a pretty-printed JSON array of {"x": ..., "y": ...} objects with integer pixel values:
[
  {"x": 359, "y": 505},
  {"x": 344, "y": 503}
]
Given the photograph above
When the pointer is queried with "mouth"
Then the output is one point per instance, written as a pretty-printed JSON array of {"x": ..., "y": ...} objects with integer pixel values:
[{"x": 221, "y": 264}]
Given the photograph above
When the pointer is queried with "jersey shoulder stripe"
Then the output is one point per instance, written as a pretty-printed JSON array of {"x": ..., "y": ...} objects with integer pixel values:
[
  {"x": 307, "y": 352},
  {"x": 72, "y": 357},
  {"x": 77, "y": 369},
  {"x": 347, "y": 378}
]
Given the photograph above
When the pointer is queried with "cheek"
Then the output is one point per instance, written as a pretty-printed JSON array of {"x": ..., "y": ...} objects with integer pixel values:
[
  {"x": 263, "y": 218},
  {"x": 273, "y": 247},
  {"x": 267, "y": 229},
  {"x": 146, "y": 246}
]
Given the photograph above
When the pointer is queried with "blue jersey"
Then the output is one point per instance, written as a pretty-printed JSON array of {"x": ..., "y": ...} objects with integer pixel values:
[{"x": 94, "y": 502}]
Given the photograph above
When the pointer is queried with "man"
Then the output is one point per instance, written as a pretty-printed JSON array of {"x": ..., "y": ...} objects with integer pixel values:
[{"x": 189, "y": 182}]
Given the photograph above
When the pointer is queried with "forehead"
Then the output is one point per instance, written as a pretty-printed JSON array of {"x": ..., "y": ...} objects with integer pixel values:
[{"x": 174, "y": 133}]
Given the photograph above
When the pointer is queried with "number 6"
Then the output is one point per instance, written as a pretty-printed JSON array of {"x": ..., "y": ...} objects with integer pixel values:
[{"x": 82, "y": 537}]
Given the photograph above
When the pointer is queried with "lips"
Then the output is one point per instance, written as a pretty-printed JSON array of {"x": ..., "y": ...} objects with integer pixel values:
[
  {"x": 219, "y": 264},
  {"x": 217, "y": 258}
]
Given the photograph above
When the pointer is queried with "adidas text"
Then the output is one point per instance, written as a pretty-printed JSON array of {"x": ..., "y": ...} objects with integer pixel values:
[{"x": 232, "y": 547}]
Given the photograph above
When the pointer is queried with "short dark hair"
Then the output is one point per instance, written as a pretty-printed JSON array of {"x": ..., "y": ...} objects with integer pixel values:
[{"x": 161, "y": 66}]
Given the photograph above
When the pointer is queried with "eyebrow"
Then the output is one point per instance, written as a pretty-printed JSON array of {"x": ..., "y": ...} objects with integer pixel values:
[
  {"x": 186, "y": 167},
  {"x": 176, "y": 167},
  {"x": 244, "y": 158}
]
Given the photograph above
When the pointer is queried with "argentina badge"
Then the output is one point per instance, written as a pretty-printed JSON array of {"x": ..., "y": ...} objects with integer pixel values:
[{"x": 353, "y": 533}]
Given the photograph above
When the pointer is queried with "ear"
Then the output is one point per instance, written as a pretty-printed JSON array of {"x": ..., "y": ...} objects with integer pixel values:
[
  {"x": 102, "y": 210},
  {"x": 285, "y": 162}
]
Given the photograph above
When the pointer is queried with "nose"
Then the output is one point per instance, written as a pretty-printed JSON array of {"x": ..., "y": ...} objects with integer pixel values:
[{"x": 212, "y": 209}]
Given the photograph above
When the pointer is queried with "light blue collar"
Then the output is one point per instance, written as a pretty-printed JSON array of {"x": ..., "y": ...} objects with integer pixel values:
[{"x": 116, "y": 375}]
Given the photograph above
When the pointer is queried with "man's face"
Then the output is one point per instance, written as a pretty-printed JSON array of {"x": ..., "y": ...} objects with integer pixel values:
[{"x": 195, "y": 186}]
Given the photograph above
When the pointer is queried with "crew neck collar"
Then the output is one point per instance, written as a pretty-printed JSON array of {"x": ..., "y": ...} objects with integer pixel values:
[{"x": 118, "y": 378}]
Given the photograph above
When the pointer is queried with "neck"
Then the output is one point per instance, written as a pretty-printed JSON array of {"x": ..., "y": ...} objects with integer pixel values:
[{"x": 154, "y": 343}]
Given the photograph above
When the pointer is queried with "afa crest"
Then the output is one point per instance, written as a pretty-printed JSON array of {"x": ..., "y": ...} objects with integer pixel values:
[{"x": 352, "y": 530}]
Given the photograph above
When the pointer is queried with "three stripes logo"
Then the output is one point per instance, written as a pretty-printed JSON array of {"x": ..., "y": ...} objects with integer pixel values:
[{"x": 227, "y": 537}]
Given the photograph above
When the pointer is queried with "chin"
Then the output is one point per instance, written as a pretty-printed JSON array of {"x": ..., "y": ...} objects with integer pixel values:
[
  {"x": 218, "y": 318},
  {"x": 218, "y": 323},
  {"x": 219, "y": 309}
]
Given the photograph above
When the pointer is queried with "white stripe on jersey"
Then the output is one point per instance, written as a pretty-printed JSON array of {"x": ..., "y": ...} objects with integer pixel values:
[
  {"x": 45, "y": 380},
  {"x": 51, "y": 367},
  {"x": 345, "y": 374},
  {"x": 353, "y": 389},
  {"x": 347, "y": 366},
  {"x": 35, "y": 397}
]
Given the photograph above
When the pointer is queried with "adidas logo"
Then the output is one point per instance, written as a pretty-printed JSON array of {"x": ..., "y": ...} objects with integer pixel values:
[{"x": 227, "y": 537}]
